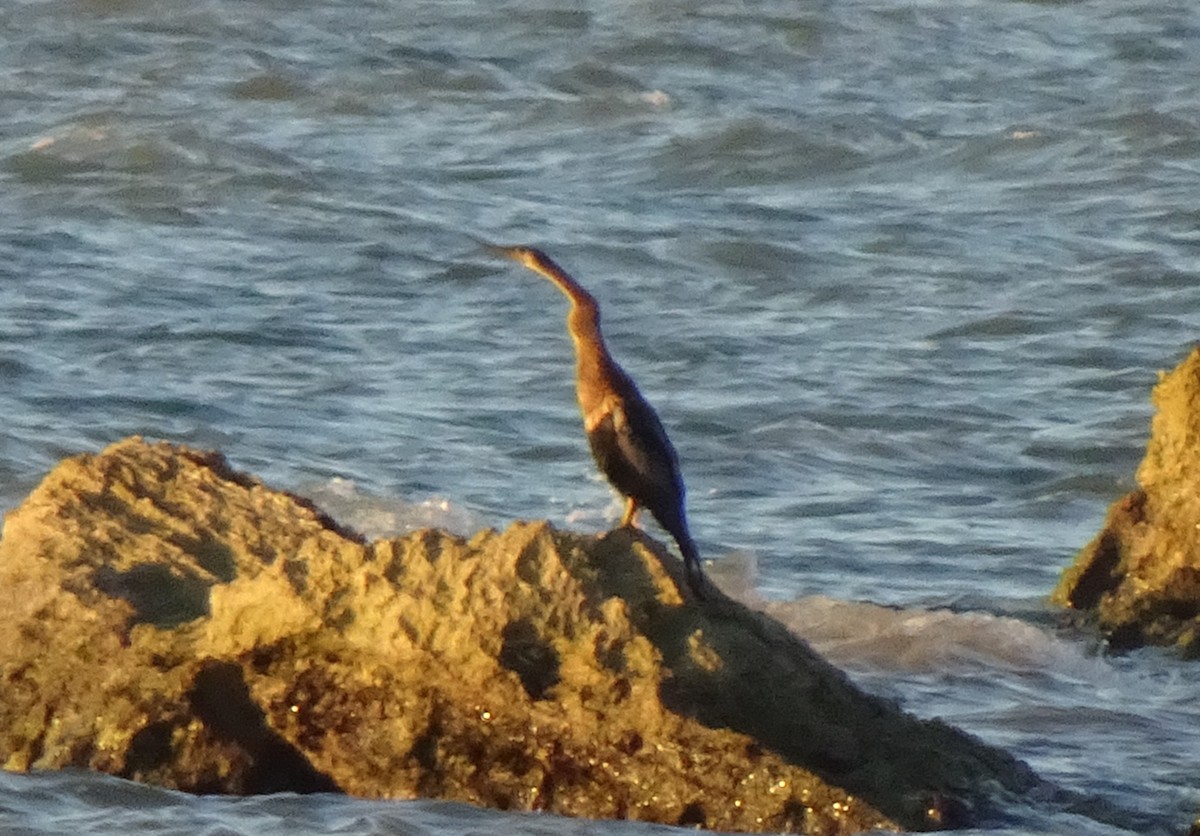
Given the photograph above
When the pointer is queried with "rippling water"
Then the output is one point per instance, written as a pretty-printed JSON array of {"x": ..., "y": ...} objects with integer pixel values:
[{"x": 898, "y": 277}]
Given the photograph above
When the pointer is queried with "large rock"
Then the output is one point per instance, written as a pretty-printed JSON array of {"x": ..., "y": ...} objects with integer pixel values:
[
  {"x": 169, "y": 620},
  {"x": 1139, "y": 579}
]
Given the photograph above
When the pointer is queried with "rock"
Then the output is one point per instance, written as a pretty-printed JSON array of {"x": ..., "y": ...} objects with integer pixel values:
[
  {"x": 1139, "y": 579},
  {"x": 169, "y": 620}
]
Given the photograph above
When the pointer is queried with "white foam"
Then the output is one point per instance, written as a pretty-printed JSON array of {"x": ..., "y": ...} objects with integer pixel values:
[
  {"x": 882, "y": 639},
  {"x": 863, "y": 635},
  {"x": 378, "y": 517}
]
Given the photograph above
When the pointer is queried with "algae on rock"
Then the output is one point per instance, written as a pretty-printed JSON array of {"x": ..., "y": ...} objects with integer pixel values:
[{"x": 169, "y": 620}]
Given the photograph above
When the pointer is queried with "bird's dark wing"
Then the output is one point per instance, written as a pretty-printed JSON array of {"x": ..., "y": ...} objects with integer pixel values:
[{"x": 632, "y": 449}]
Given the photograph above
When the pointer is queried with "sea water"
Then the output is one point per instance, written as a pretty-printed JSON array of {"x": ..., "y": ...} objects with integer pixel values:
[{"x": 898, "y": 278}]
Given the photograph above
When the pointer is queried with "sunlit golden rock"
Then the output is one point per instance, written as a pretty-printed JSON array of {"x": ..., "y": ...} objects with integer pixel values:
[
  {"x": 166, "y": 619},
  {"x": 1139, "y": 579}
]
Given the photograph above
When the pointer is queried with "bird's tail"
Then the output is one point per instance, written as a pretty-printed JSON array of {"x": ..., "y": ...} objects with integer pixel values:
[{"x": 691, "y": 564}]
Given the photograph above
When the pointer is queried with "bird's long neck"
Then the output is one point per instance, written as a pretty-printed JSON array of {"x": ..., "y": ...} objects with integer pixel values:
[
  {"x": 583, "y": 322},
  {"x": 595, "y": 368}
]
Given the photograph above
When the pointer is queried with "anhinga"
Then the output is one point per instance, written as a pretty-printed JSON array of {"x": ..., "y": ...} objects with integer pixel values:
[{"x": 627, "y": 439}]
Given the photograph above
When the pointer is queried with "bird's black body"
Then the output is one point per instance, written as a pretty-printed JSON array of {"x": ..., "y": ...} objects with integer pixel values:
[{"x": 627, "y": 439}]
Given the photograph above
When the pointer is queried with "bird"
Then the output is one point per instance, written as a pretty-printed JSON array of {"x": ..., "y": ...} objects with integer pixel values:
[{"x": 625, "y": 434}]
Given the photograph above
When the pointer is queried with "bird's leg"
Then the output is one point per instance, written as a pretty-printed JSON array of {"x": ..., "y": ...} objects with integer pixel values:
[{"x": 631, "y": 509}]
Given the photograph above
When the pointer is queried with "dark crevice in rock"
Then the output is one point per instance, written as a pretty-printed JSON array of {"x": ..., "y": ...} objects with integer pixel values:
[
  {"x": 530, "y": 657},
  {"x": 220, "y": 698},
  {"x": 150, "y": 749},
  {"x": 160, "y": 595},
  {"x": 1100, "y": 576}
]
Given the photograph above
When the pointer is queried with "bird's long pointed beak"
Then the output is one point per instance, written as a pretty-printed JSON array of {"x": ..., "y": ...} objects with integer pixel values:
[
  {"x": 497, "y": 249},
  {"x": 529, "y": 257}
]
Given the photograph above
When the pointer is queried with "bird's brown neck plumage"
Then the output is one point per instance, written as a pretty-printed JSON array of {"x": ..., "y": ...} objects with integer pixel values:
[{"x": 594, "y": 365}]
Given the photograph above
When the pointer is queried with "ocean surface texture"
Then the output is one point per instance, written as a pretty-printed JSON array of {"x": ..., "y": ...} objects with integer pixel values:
[{"x": 897, "y": 276}]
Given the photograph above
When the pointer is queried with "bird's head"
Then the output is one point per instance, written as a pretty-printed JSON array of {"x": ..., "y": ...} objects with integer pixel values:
[
  {"x": 543, "y": 265},
  {"x": 530, "y": 257}
]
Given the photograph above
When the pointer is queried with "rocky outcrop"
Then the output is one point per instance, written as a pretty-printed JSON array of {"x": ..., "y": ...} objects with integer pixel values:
[
  {"x": 1139, "y": 579},
  {"x": 169, "y": 620}
]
